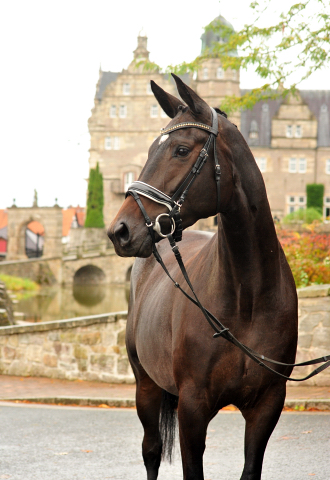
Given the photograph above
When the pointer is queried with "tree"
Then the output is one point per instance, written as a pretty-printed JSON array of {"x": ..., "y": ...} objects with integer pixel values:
[
  {"x": 283, "y": 54},
  {"x": 95, "y": 201}
]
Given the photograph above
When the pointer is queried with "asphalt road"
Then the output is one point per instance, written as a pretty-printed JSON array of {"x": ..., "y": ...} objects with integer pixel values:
[{"x": 64, "y": 443}]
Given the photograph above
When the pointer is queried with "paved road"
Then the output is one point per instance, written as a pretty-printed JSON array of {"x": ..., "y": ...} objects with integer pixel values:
[{"x": 65, "y": 443}]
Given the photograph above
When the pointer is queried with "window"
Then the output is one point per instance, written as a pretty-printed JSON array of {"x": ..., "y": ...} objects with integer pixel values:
[
  {"x": 302, "y": 165},
  {"x": 162, "y": 113},
  {"x": 327, "y": 207},
  {"x": 116, "y": 143},
  {"x": 149, "y": 91},
  {"x": 113, "y": 111},
  {"x": 327, "y": 166},
  {"x": 289, "y": 131},
  {"x": 254, "y": 130},
  {"x": 295, "y": 203},
  {"x": 262, "y": 163},
  {"x": 111, "y": 143},
  {"x": 234, "y": 74},
  {"x": 126, "y": 88},
  {"x": 205, "y": 73},
  {"x": 107, "y": 143},
  {"x": 122, "y": 111},
  {"x": 128, "y": 179},
  {"x": 292, "y": 165},
  {"x": 220, "y": 72},
  {"x": 298, "y": 132},
  {"x": 154, "y": 111}
]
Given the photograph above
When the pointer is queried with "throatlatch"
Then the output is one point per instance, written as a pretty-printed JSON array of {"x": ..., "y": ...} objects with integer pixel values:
[{"x": 174, "y": 204}]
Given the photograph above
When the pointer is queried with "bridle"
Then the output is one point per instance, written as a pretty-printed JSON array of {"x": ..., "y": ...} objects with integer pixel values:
[
  {"x": 174, "y": 205},
  {"x": 175, "y": 202}
]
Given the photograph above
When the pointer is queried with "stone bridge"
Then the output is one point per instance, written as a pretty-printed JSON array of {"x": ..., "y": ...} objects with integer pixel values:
[{"x": 89, "y": 267}]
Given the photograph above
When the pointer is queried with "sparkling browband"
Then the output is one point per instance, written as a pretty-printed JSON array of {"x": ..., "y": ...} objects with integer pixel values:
[{"x": 185, "y": 125}]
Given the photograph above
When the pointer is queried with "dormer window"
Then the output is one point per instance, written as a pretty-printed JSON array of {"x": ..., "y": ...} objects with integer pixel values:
[
  {"x": 289, "y": 131},
  {"x": 254, "y": 130},
  {"x": 126, "y": 88},
  {"x": 220, "y": 73},
  {"x": 234, "y": 74},
  {"x": 205, "y": 73}
]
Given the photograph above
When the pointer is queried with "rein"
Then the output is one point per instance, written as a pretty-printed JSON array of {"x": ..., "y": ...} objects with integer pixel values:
[{"x": 174, "y": 204}]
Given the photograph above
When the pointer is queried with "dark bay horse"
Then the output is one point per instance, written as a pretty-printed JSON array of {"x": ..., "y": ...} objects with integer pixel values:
[{"x": 240, "y": 274}]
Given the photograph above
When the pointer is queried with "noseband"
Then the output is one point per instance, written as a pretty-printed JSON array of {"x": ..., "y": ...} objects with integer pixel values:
[
  {"x": 174, "y": 205},
  {"x": 175, "y": 202}
]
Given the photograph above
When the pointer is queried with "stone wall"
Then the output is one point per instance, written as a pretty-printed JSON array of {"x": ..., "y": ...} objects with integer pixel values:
[
  {"x": 93, "y": 348},
  {"x": 314, "y": 332},
  {"x": 88, "y": 348}
]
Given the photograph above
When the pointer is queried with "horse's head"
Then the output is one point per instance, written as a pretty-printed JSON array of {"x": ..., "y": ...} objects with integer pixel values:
[{"x": 172, "y": 158}]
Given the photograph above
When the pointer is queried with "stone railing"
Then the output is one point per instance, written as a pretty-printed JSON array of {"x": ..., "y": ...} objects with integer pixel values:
[
  {"x": 87, "y": 348},
  {"x": 93, "y": 348}
]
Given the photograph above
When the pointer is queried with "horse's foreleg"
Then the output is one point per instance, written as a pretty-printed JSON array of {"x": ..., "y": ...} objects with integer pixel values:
[
  {"x": 148, "y": 402},
  {"x": 194, "y": 417},
  {"x": 261, "y": 420}
]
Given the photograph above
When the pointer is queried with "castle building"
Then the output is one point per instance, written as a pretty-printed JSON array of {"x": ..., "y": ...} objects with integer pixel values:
[{"x": 290, "y": 139}]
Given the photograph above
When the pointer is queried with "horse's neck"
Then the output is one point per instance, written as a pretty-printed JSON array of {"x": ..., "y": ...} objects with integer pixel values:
[{"x": 247, "y": 244}]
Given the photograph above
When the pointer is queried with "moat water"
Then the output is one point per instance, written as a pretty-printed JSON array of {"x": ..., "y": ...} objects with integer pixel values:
[{"x": 58, "y": 303}]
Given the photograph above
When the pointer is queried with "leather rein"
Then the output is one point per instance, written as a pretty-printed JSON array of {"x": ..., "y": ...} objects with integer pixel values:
[{"x": 174, "y": 204}]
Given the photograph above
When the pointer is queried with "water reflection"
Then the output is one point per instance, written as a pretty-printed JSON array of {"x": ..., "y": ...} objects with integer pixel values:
[
  {"x": 89, "y": 295},
  {"x": 56, "y": 303}
]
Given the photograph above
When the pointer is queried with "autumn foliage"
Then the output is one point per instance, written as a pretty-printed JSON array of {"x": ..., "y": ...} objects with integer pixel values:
[{"x": 308, "y": 255}]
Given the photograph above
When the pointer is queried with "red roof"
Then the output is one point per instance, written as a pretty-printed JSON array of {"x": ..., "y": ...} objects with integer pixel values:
[
  {"x": 68, "y": 216},
  {"x": 3, "y": 218},
  {"x": 36, "y": 228}
]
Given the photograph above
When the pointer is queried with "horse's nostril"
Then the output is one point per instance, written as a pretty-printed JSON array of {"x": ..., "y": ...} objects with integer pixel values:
[{"x": 122, "y": 233}]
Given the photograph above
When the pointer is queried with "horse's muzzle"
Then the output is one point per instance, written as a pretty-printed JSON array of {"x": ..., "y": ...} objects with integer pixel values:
[{"x": 129, "y": 243}]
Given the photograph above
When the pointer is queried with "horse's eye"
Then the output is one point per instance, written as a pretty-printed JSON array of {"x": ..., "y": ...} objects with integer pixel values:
[{"x": 182, "y": 151}]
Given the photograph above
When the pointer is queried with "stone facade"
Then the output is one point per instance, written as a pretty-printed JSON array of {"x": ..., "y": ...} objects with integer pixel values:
[
  {"x": 92, "y": 348},
  {"x": 290, "y": 139}
]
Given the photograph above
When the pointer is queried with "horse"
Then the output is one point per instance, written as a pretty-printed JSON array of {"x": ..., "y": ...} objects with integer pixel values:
[{"x": 240, "y": 274}]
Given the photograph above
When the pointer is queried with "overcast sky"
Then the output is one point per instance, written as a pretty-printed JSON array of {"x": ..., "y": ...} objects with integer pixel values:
[{"x": 51, "y": 54}]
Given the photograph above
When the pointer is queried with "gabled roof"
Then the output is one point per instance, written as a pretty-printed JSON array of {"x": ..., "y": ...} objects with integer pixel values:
[
  {"x": 68, "y": 216},
  {"x": 262, "y": 113}
]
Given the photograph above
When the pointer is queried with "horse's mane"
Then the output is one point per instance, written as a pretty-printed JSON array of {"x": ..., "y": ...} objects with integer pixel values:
[{"x": 220, "y": 112}]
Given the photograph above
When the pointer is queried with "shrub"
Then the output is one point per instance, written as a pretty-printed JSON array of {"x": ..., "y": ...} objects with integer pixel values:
[
  {"x": 17, "y": 284},
  {"x": 315, "y": 192},
  {"x": 303, "y": 215},
  {"x": 308, "y": 255}
]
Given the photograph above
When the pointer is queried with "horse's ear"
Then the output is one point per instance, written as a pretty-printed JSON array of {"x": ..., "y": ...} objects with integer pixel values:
[
  {"x": 168, "y": 102},
  {"x": 194, "y": 102}
]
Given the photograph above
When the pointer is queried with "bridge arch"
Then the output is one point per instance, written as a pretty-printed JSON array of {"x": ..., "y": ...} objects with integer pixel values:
[{"x": 89, "y": 275}]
